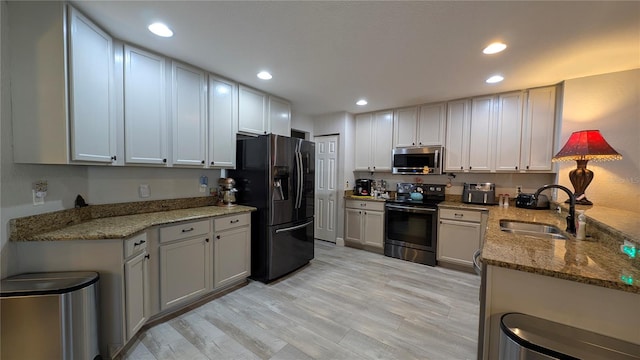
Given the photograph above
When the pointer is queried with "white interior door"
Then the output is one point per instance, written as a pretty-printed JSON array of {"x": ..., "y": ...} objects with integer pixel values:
[{"x": 326, "y": 192}]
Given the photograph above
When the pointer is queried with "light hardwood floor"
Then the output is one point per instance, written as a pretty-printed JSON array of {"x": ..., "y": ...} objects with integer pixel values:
[{"x": 347, "y": 304}]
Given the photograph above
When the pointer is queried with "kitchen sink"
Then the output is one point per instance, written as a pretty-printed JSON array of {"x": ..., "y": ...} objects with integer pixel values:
[{"x": 532, "y": 229}]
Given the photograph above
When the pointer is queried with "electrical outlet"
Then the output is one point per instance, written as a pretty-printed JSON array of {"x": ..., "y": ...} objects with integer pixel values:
[
  {"x": 518, "y": 189},
  {"x": 39, "y": 192},
  {"x": 144, "y": 191}
]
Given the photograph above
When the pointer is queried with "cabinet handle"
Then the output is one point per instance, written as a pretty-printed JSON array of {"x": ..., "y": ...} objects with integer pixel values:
[
  {"x": 234, "y": 221},
  {"x": 461, "y": 167},
  {"x": 516, "y": 168},
  {"x": 202, "y": 162},
  {"x": 139, "y": 243},
  {"x": 218, "y": 237},
  {"x": 113, "y": 158},
  {"x": 164, "y": 161},
  {"x": 265, "y": 133},
  {"x": 470, "y": 168},
  {"x": 212, "y": 162},
  {"x": 187, "y": 230},
  {"x": 413, "y": 143},
  {"x": 207, "y": 239},
  {"x": 458, "y": 215},
  {"x": 147, "y": 257},
  {"x": 527, "y": 167}
]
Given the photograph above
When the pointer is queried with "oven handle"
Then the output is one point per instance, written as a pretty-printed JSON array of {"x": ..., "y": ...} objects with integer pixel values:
[{"x": 410, "y": 209}]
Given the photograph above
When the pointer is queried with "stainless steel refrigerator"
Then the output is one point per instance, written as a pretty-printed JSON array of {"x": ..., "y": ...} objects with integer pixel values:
[{"x": 276, "y": 175}]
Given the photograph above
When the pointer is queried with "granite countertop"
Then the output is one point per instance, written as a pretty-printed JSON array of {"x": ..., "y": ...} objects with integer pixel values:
[
  {"x": 595, "y": 261},
  {"x": 120, "y": 227},
  {"x": 363, "y": 198}
]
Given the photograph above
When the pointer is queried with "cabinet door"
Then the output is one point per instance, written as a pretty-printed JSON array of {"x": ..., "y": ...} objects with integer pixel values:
[
  {"x": 457, "y": 241},
  {"x": 279, "y": 116},
  {"x": 539, "y": 126},
  {"x": 232, "y": 256},
  {"x": 373, "y": 229},
  {"x": 188, "y": 118},
  {"x": 353, "y": 225},
  {"x": 382, "y": 141},
  {"x": 184, "y": 270},
  {"x": 508, "y": 131},
  {"x": 481, "y": 132},
  {"x": 252, "y": 111},
  {"x": 431, "y": 124},
  {"x": 223, "y": 122},
  {"x": 136, "y": 272},
  {"x": 405, "y": 123},
  {"x": 457, "y": 143},
  {"x": 364, "y": 132},
  {"x": 91, "y": 91},
  {"x": 145, "y": 107}
]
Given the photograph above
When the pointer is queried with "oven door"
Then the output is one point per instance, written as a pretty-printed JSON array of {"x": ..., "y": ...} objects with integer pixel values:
[{"x": 412, "y": 227}]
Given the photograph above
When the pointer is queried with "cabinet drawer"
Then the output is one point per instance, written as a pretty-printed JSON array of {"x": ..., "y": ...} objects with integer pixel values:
[
  {"x": 184, "y": 230},
  {"x": 462, "y": 215},
  {"x": 135, "y": 245},
  {"x": 369, "y": 205},
  {"x": 228, "y": 222}
]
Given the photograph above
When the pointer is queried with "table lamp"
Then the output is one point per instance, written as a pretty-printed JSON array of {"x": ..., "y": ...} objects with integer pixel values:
[{"x": 583, "y": 146}]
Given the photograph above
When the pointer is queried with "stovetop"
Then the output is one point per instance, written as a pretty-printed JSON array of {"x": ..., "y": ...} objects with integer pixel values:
[{"x": 432, "y": 194}]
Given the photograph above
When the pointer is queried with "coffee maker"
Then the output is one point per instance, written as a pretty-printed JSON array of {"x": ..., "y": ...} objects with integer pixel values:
[
  {"x": 363, "y": 187},
  {"x": 226, "y": 192}
]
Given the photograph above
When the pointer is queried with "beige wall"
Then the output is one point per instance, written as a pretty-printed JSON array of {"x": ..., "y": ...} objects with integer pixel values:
[{"x": 609, "y": 103}]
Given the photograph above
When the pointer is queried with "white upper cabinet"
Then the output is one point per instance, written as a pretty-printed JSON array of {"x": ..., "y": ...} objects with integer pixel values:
[
  {"x": 252, "y": 111},
  {"x": 405, "y": 123},
  {"x": 145, "y": 107},
  {"x": 508, "y": 131},
  {"x": 481, "y": 134},
  {"x": 59, "y": 119},
  {"x": 189, "y": 116},
  {"x": 279, "y": 116},
  {"x": 538, "y": 130},
  {"x": 91, "y": 91},
  {"x": 431, "y": 124},
  {"x": 374, "y": 141},
  {"x": 457, "y": 139},
  {"x": 419, "y": 126},
  {"x": 223, "y": 120}
]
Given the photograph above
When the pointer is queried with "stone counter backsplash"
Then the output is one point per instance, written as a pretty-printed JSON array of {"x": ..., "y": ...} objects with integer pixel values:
[{"x": 26, "y": 227}]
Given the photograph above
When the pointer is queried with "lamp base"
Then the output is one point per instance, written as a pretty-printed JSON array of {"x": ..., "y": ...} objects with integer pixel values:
[{"x": 582, "y": 201}]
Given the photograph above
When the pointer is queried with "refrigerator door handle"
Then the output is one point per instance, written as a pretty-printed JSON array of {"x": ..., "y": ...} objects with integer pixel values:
[{"x": 294, "y": 227}]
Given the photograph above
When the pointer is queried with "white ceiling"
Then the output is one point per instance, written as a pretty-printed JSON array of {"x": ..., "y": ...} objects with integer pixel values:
[{"x": 324, "y": 55}]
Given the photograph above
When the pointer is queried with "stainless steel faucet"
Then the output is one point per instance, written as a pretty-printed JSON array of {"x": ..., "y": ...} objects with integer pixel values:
[{"x": 571, "y": 218}]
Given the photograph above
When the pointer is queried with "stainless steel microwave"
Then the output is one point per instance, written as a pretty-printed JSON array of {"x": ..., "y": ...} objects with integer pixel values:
[{"x": 425, "y": 160}]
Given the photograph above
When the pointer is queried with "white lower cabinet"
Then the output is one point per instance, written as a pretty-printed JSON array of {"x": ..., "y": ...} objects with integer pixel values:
[
  {"x": 364, "y": 223},
  {"x": 231, "y": 249},
  {"x": 460, "y": 234},
  {"x": 185, "y": 260},
  {"x": 136, "y": 284}
]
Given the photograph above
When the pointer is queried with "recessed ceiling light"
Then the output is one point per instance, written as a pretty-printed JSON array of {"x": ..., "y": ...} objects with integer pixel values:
[
  {"x": 264, "y": 75},
  {"x": 494, "y": 79},
  {"x": 494, "y": 48},
  {"x": 362, "y": 102},
  {"x": 160, "y": 29}
]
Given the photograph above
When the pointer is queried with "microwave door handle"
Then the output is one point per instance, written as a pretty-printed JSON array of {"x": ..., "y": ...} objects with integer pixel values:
[{"x": 437, "y": 159}]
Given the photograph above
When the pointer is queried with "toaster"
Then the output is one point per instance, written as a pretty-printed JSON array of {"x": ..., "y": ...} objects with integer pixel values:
[
  {"x": 483, "y": 193},
  {"x": 527, "y": 201}
]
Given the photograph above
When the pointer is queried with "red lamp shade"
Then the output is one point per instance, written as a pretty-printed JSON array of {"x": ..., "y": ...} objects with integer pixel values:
[
  {"x": 583, "y": 146},
  {"x": 587, "y": 145}
]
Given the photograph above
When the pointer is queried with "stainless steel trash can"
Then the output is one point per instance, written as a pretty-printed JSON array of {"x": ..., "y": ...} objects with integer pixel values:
[
  {"x": 49, "y": 316},
  {"x": 525, "y": 337}
]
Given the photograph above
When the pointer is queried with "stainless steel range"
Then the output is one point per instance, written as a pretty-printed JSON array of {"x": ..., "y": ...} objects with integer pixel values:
[{"x": 412, "y": 223}]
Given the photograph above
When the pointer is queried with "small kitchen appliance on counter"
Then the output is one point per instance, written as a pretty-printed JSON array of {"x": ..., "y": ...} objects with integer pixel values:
[
  {"x": 363, "y": 187},
  {"x": 528, "y": 201},
  {"x": 482, "y": 193},
  {"x": 227, "y": 192}
]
